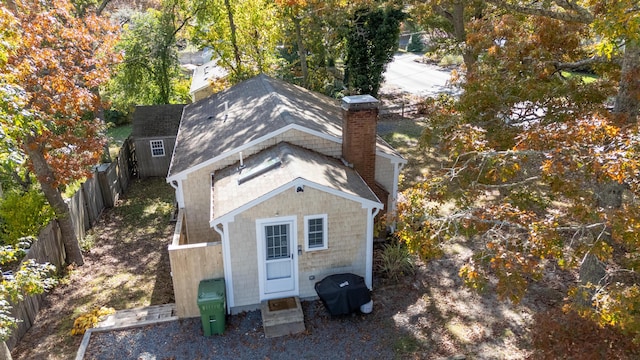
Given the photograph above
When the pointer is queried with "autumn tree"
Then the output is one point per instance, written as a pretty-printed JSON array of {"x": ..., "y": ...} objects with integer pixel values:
[
  {"x": 371, "y": 41},
  {"x": 542, "y": 172},
  {"x": 50, "y": 100}
]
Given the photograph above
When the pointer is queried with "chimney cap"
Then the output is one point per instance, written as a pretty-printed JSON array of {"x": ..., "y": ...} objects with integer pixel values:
[{"x": 359, "y": 102}]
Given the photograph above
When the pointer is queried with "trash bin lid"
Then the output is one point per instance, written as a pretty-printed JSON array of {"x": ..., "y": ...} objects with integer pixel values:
[{"x": 212, "y": 289}]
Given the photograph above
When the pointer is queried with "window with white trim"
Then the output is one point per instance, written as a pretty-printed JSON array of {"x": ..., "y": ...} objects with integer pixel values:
[
  {"x": 315, "y": 232},
  {"x": 157, "y": 148}
]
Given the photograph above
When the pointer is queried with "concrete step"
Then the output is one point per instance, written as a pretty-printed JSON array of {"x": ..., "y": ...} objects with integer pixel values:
[{"x": 282, "y": 317}]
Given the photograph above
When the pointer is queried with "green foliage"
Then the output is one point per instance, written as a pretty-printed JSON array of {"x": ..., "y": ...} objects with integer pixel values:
[
  {"x": 371, "y": 41},
  {"x": 449, "y": 60},
  {"x": 23, "y": 214},
  {"x": 396, "y": 261},
  {"x": 115, "y": 117},
  {"x": 149, "y": 73},
  {"x": 31, "y": 278},
  {"x": 246, "y": 48},
  {"x": 416, "y": 44}
]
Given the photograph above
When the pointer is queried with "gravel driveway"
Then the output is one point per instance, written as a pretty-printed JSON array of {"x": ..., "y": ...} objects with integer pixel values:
[{"x": 349, "y": 337}]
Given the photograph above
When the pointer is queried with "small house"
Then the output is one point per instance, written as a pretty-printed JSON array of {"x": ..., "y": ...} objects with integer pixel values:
[
  {"x": 277, "y": 188},
  {"x": 202, "y": 78},
  {"x": 154, "y": 135}
]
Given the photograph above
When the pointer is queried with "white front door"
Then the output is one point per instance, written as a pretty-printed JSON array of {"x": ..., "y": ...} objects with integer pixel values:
[{"x": 277, "y": 257}]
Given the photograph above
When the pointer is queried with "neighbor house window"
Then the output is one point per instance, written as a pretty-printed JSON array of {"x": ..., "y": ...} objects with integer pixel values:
[
  {"x": 315, "y": 232},
  {"x": 157, "y": 148}
]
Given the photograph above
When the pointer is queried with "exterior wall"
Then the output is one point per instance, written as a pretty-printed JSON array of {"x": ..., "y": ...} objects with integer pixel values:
[
  {"x": 384, "y": 174},
  {"x": 202, "y": 93},
  {"x": 197, "y": 186},
  {"x": 153, "y": 166},
  {"x": 346, "y": 251}
]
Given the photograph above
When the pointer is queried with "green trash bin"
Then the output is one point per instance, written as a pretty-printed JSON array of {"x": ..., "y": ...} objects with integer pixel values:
[{"x": 212, "y": 304}]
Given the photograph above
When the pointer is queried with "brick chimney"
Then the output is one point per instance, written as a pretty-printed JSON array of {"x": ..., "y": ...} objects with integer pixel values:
[{"x": 359, "y": 121}]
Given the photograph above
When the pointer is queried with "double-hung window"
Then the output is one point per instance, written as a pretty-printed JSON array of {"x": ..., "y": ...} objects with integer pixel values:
[
  {"x": 315, "y": 232},
  {"x": 157, "y": 148}
]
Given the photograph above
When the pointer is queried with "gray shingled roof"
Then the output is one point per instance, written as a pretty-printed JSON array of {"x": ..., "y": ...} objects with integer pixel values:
[
  {"x": 293, "y": 162},
  {"x": 156, "y": 120},
  {"x": 247, "y": 111}
]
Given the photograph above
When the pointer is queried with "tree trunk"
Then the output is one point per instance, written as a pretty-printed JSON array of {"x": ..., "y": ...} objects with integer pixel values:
[
  {"x": 5, "y": 354},
  {"x": 302, "y": 53},
  {"x": 47, "y": 180},
  {"x": 234, "y": 41},
  {"x": 592, "y": 271},
  {"x": 457, "y": 19},
  {"x": 627, "y": 101}
]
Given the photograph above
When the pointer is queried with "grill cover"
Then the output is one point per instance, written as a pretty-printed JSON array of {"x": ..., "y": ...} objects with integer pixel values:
[{"x": 343, "y": 293}]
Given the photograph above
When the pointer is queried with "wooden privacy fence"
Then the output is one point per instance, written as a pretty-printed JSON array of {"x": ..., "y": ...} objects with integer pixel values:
[
  {"x": 48, "y": 248},
  {"x": 101, "y": 191},
  {"x": 189, "y": 265},
  {"x": 109, "y": 181}
]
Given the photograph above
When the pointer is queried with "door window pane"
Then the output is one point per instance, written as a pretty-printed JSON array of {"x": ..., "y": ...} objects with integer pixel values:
[{"x": 277, "y": 237}]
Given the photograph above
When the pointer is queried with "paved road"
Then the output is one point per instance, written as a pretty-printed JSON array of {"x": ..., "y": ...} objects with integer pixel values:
[{"x": 417, "y": 78}]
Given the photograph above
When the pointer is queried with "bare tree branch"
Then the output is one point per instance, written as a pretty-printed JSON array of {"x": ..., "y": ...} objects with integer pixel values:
[{"x": 578, "y": 64}]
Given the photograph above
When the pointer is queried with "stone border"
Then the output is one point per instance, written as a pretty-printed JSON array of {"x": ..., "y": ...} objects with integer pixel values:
[{"x": 87, "y": 335}]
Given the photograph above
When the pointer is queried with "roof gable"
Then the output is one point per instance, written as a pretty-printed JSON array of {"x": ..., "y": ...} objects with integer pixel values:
[
  {"x": 279, "y": 167},
  {"x": 156, "y": 120}
]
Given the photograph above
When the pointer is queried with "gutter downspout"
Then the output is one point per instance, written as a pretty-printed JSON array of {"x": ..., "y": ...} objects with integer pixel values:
[
  {"x": 369, "y": 251},
  {"x": 226, "y": 264},
  {"x": 179, "y": 196}
]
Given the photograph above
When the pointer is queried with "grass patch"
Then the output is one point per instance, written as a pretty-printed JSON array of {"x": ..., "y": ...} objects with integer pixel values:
[
  {"x": 406, "y": 345},
  {"x": 116, "y": 137},
  {"x": 586, "y": 78}
]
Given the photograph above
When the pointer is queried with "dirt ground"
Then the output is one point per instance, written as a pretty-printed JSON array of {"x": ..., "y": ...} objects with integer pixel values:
[{"x": 126, "y": 267}]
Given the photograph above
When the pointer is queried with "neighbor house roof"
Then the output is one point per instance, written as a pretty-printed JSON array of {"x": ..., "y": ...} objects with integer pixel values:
[
  {"x": 275, "y": 168},
  {"x": 251, "y": 110},
  {"x": 156, "y": 120},
  {"x": 205, "y": 73}
]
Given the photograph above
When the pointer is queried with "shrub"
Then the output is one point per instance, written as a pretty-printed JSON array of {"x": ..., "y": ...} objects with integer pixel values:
[
  {"x": 23, "y": 214},
  {"x": 416, "y": 44},
  {"x": 396, "y": 261},
  {"x": 449, "y": 60},
  {"x": 115, "y": 117}
]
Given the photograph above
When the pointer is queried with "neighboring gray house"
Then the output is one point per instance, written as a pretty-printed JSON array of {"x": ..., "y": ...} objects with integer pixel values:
[
  {"x": 154, "y": 135},
  {"x": 277, "y": 188}
]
